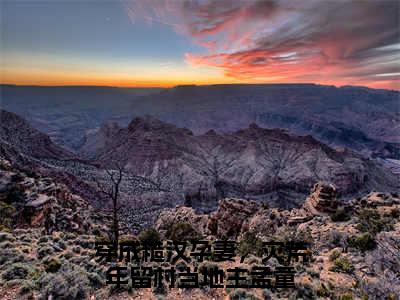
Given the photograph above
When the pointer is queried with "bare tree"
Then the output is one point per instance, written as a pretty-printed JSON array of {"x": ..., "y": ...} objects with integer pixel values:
[{"x": 112, "y": 191}]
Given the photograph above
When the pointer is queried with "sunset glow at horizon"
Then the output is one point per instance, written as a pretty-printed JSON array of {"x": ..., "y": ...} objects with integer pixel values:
[{"x": 161, "y": 43}]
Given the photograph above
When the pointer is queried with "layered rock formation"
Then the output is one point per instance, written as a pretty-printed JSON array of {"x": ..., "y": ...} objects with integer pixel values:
[
  {"x": 30, "y": 200},
  {"x": 18, "y": 133},
  {"x": 359, "y": 118},
  {"x": 261, "y": 164}
]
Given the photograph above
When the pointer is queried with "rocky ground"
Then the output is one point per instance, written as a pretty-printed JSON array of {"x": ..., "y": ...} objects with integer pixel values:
[{"x": 48, "y": 233}]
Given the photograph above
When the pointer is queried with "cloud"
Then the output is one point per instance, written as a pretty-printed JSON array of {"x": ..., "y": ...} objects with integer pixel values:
[{"x": 338, "y": 42}]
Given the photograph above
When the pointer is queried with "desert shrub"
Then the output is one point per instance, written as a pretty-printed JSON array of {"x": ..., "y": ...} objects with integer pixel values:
[
  {"x": 371, "y": 221},
  {"x": 313, "y": 273},
  {"x": 97, "y": 231},
  {"x": 182, "y": 231},
  {"x": 337, "y": 239},
  {"x": 96, "y": 280},
  {"x": 26, "y": 238},
  {"x": 114, "y": 289},
  {"x": 45, "y": 251},
  {"x": 67, "y": 255},
  {"x": 85, "y": 242},
  {"x": 213, "y": 226},
  {"x": 10, "y": 256},
  {"x": 52, "y": 265},
  {"x": 61, "y": 245},
  {"x": 128, "y": 239},
  {"x": 250, "y": 244},
  {"x": 6, "y": 245},
  {"x": 303, "y": 291},
  {"x": 5, "y": 236},
  {"x": 346, "y": 297},
  {"x": 70, "y": 282},
  {"x": 70, "y": 236},
  {"x": 342, "y": 265},
  {"x": 27, "y": 286},
  {"x": 363, "y": 242},
  {"x": 334, "y": 255},
  {"x": 323, "y": 291},
  {"x": 76, "y": 249},
  {"x": 78, "y": 260},
  {"x": 7, "y": 212},
  {"x": 395, "y": 213},
  {"x": 289, "y": 234},
  {"x": 44, "y": 239},
  {"x": 16, "y": 271},
  {"x": 340, "y": 215},
  {"x": 207, "y": 265},
  {"x": 149, "y": 237},
  {"x": 240, "y": 294},
  {"x": 4, "y": 228}
]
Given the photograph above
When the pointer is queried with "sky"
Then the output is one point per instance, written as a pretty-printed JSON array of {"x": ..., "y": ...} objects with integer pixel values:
[{"x": 167, "y": 43}]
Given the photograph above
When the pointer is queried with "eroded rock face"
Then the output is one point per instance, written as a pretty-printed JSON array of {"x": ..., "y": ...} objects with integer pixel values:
[
  {"x": 27, "y": 140},
  {"x": 231, "y": 215},
  {"x": 322, "y": 199},
  {"x": 268, "y": 165},
  {"x": 40, "y": 202}
]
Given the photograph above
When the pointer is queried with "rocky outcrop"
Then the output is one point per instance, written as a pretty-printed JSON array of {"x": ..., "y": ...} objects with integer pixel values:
[
  {"x": 228, "y": 220},
  {"x": 322, "y": 199},
  {"x": 36, "y": 201},
  {"x": 357, "y": 118},
  {"x": 18, "y": 133},
  {"x": 273, "y": 166}
]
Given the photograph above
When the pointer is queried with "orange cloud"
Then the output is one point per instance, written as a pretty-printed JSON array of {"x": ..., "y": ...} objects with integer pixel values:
[{"x": 334, "y": 42}]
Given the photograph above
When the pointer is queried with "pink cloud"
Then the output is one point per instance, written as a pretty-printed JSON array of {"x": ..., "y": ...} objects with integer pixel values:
[{"x": 335, "y": 42}]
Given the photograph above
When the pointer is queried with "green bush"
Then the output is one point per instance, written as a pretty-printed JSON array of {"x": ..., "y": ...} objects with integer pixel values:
[
  {"x": 52, "y": 265},
  {"x": 334, "y": 255},
  {"x": 346, "y": 297},
  {"x": 10, "y": 256},
  {"x": 342, "y": 265},
  {"x": 303, "y": 291},
  {"x": 6, "y": 237},
  {"x": 395, "y": 213},
  {"x": 363, "y": 242},
  {"x": 149, "y": 237},
  {"x": 70, "y": 282},
  {"x": 213, "y": 226},
  {"x": 96, "y": 280},
  {"x": 250, "y": 244},
  {"x": 16, "y": 271},
  {"x": 76, "y": 249},
  {"x": 27, "y": 287},
  {"x": 7, "y": 212},
  {"x": 182, "y": 231},
  {"x": 323, "y": 291},
  {"x": 44, "y": 239},
  {"x": 371, "y": 221},
  {"x": 45, "y": 251},
  {"x": 128, "y": 239},
  {"x": 207, "y": 265},
  {"x": 340, "y": 215}
]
